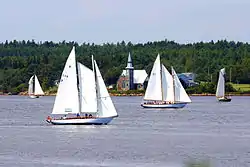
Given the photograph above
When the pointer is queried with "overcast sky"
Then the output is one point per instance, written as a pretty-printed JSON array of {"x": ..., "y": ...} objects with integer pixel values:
[{"x": 138, "y": 21}]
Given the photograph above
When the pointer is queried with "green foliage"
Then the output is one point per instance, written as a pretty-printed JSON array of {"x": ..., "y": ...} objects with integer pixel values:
[
  {"x": 229, "y": 88},
  {"x": 21, "y": 59},
  {"x": 192, "y": 164},
  {"x": 129, "y": 92},
  {"x": 203, "y": 87},
  {"x": 208, "y": 87},
  {"x": 241, "y": 87},
  {"x": 196, "y": 163}
]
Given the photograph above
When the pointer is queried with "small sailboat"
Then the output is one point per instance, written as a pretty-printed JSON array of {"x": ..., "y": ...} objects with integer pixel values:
[
  {"x": 220, "y": 91},
  {"x": 35, "y": 89},
  {"x": 85, "y": 101},
  {"x": 164, "y": 90}
]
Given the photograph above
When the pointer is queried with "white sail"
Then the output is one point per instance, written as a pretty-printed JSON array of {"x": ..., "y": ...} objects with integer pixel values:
[
  {"x": 220, "y": 91},
  {"x": 167, "y": 85},
  {"x": 87, "y": 87},
  {"x": 105, "y": 105},
  {"x": 67, "y": 100},
  {"x": 153, "y": 91},
  {"x": 31, "y": 85},
  {"x": 179, "y": 92},
  {"x": 38, "y": 88}
]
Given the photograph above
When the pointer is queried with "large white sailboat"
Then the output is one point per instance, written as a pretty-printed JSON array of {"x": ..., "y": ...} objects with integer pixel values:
[
  {"x": 164, "y": 90},
  {"x": 84, "y": 102},
  {"x": 35, "y": 89},
  {"x": 220, "y": 91}
]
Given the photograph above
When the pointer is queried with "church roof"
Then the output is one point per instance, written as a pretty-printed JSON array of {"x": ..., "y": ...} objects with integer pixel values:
[
  {"x": 129, "y": 65},
  {"x": 139, "y": 76}
]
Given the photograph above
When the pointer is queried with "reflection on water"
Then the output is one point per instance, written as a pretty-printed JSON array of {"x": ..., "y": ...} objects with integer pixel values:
[{"x": 203, "y": 130}]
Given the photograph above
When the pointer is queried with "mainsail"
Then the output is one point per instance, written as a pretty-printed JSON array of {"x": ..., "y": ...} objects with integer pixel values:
[
  {"x": 220, "y": 91},
  {"x": 31, "y": 85},
  {"x": 67, "y": 100},
  {"x": 154, "y": 88},
  {"x": 167, "y": 85},
  {"x": 87, "y": 88}
]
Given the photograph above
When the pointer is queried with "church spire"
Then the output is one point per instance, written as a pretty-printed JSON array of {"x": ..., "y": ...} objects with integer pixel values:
[{"x": 129, "y": 64}]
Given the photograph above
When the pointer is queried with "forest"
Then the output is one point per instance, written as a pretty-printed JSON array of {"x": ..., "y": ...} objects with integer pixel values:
[{"x": 19, "y": 60}]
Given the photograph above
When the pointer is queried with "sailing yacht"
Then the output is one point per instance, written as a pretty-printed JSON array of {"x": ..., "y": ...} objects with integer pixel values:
[
  {"x": 220, "y": 91},
  {"x": 164, "y": 90},
  {"x": 35, "y": 89},
  {"x": 84, "y": 102}
]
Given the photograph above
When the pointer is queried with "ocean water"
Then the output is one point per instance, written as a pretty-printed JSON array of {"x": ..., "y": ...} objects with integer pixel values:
[{"x": 205, "y": 130}]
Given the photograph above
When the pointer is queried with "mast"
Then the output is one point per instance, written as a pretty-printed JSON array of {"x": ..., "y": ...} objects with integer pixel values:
[
  {"x": 78, "y": 85},
  {"x": 224, "y": 76},
  {"x": 33, "y": 83},
  {"x": 173, "y": 82},
  {"x": 93, "y": 68},
  {"x": 161, "y": 82}
]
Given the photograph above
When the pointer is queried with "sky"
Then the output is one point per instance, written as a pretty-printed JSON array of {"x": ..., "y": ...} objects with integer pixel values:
[{"x": 137, "y": 21}]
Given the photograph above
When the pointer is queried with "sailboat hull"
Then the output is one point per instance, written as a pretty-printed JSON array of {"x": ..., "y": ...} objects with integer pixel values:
[
  {"x": 175, "y": 105},
  {"x": 77, "y": 121},
  {"x": 224, "y": 99},
  {"x": 34, "y": 96}
]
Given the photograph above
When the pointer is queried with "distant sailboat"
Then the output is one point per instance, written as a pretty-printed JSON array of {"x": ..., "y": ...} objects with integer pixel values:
[
  {"x": 220, "y": 91},
  {"x": 83, "y": 102},
  {"x": 164, "y": 90},
  {"x": 35, "y": 89}
]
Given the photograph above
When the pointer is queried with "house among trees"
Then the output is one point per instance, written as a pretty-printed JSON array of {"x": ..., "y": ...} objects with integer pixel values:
[
  {"x": 131, "y": 79},
  {"x": 187, "y": 79}
]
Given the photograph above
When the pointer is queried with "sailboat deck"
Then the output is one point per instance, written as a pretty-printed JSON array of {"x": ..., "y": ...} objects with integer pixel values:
[{"x": 83, "y": 117}]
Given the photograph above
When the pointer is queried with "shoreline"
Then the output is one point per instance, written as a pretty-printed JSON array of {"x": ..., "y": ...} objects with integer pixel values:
[{"x": 132, "y": 94}]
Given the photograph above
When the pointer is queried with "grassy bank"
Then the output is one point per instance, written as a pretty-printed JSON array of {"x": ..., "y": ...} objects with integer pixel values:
[
  {"x": 204, "y": 89},
  {"x": 241, "y": 87}
]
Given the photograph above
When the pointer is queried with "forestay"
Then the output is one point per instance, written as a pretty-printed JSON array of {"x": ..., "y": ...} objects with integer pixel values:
[{"x": 67, "y": 100}]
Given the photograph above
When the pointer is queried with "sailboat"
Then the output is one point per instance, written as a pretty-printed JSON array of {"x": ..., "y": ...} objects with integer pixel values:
[
  {"x": 164, "y": 90},
  {"x": 220, "y": 91},
  {"x": 82, "y": 97},
  {"x": 35, "y": 89}
]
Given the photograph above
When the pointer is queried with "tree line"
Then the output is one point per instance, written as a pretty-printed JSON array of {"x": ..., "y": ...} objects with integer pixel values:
[{"x": 19, "y": 60}]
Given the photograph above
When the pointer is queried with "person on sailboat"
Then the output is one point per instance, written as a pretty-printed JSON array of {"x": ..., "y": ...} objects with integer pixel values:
[
  {"x": 77, "y": 115},
  {"x": 65, "y": 116},
  {"x": 48, "y": 118}
]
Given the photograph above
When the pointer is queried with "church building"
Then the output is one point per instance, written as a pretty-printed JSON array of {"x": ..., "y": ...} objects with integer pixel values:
[{"x": 131, "y": 79}]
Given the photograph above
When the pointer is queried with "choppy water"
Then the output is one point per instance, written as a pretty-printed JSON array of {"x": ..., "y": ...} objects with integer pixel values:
[{"x": 204, "y": 130}]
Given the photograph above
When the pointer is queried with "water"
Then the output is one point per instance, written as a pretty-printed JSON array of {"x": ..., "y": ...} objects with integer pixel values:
[{"x": 204, "y": 130}]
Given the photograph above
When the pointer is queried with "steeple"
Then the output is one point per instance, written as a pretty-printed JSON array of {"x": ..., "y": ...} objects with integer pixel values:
[{"x": 129, "y": 64}]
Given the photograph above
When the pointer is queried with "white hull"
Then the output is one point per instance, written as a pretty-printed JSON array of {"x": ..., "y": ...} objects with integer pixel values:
[
  {"x": 34, "y": 96},
  {"x": 175, "y": 105},
  {"x": 81, "y": 121}
]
